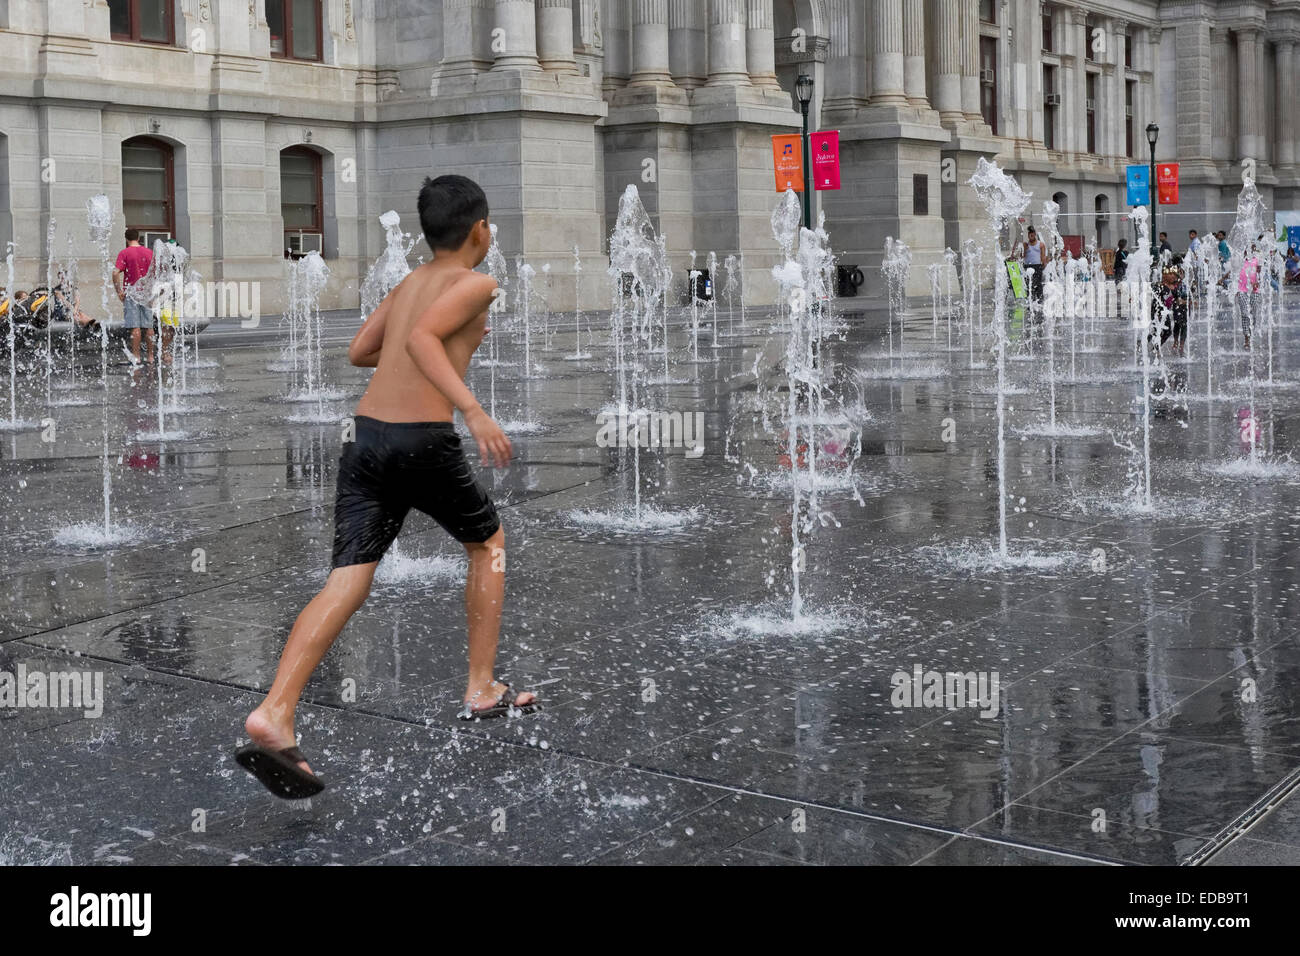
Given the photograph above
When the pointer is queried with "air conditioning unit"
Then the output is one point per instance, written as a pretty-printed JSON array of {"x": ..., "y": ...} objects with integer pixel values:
[
  {"x": 1128, "y": 111},
  {"x": 986, "y": 77},
  {"x": 301, "y": 243},
  {"x": 1090, "y": 105},
  {"x": 147, "y": 239},
  {"x": 1052, "y": 99}
]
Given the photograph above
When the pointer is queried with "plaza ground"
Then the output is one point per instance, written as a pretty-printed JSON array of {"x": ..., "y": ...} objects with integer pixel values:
[{"x": 1149, "y": 701}]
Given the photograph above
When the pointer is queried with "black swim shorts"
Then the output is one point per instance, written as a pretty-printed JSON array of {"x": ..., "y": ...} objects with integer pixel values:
[{"x": 393, "y": 467}]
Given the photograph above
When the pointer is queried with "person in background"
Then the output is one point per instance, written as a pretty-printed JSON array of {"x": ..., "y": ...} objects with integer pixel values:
[
  {"x": 1224, "y": 255},
  {"x": 132, "y": 263},
  {"x": 1292, "y": 275},
  {"x": 1169, "y": 309},
  {"x": 1193, "y": 249},
  {"x": 1164, "y": 245},
  {"x": 1121, "y": 260},
  {"x": 1248, "y": 286},
  {"x": 1033, "y": 256}
]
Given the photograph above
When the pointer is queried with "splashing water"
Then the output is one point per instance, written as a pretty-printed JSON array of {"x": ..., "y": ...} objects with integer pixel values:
[
  {"x": 1003, "y": 200},
  {"x": 578, "y": 354},
  {"x": 896, "y": 266},
  {"x": 307, "y": 278},
  {"x": 386, "y": 272}
]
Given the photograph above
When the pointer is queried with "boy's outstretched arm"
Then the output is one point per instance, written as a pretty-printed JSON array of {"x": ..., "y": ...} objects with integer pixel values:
[
  {"x": 366, "y": 344},
  {"x": 468, "y": 298}
]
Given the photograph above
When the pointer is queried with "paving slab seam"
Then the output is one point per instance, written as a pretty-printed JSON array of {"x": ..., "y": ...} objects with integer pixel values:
[
  {"x": 1293, "y": 776},
  {"x": 1247, "y": 819}
]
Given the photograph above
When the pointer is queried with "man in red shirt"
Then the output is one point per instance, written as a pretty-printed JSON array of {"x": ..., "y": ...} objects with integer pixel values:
[{"x": 132, "y": 263}]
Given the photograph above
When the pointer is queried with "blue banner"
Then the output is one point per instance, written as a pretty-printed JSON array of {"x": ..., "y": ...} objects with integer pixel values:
[
  {"x": 1139, "y": 186},
  {"x": 1293, "y": 237}
]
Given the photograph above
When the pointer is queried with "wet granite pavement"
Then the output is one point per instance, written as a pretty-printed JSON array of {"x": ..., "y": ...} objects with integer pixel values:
[{"x": 1148, "y": 671}]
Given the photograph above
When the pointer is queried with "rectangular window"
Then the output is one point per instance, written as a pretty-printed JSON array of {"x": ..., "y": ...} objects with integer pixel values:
[
  {"x": 989, "y": 81},
  {"x": 1051, "y": 106},
  {"x": 147, "y": 185},
  {"x": 141, "y": 21},
  {"x": 1090, "y": 85},
  {"x": 300, "y": 199},
  {"x": 1130, "y": 130},
  {"x": 989, "y": 11},
  {"x": 1047, "y": 29},
  {"x": 1128, "y": 51},
  {"x": 1088, "y": 52},
  {"x": 920, "y": 195},
  {"x": 295, "y": 28}
]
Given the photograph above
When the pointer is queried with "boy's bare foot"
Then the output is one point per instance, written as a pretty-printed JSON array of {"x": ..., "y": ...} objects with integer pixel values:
[
  {"x": 266, "y": 732},
  {"x": 488, "y": 695}
]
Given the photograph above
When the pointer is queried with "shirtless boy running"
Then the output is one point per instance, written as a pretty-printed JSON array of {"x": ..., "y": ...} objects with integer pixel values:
[{"x": 407, "y": 455}]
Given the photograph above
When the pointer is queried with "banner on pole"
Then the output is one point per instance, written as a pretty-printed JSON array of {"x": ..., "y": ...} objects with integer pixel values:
[
  {"x": 1167, "y": 184},
  {"x": 1139, "y": 185},
  {"x": 787, "y": 158},
  {"x": 825, "y": 148}
]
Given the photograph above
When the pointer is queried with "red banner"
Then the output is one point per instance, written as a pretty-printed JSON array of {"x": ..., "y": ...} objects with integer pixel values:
[
  {"x": 825, "y": 148},
  {"x": 787, "y": 158},
  {"x": 1167, "y": 183}
]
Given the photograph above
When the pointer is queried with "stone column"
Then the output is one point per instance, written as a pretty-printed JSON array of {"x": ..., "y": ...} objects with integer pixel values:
[
  {"x": 846, "y": 66},
  {"x": 914, "y": 52},
  {"x": 1259, "y": 101},
  {"x": 887, "y": 80},
  {"x": 517, "y": 19},
  {"x": 1195, "y": 105},
  {"x": 1120, "y": 44},
  {"x": 687, "y": 50},
  {"x": 760, "y": 45},
  {"x": 1221, "y": 139},
  {"x": 970, "y": 61},
  {"x": 947, "y": 48},
  {"x": 1286, "y": 94},
  {"x": 458, "y": 31},
  {"x": 1069, "y": 114},
  {"x": 1295, "y": 72},
  {"x": 618, "y": 49},
  {"x": 555, "y": 36},
  {"x": 1247, "y": 141},
  {"x": 650, "y": 43},
  {"x": 727, "y": 20}
]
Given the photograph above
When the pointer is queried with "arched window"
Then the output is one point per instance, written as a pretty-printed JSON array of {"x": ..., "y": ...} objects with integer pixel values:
[
  {"x": 301, "y": 201},
  {"x": 141, "y": 21},
  {"x": 1101, "y": 207},
  {"x": 295, "y": 28},
  {"x": 149, "y": 188}
]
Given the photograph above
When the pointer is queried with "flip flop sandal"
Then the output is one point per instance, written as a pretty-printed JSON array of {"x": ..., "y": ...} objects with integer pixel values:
[
  {"x": 504, "y": 704},
  {"x": 279, "y": 772}
]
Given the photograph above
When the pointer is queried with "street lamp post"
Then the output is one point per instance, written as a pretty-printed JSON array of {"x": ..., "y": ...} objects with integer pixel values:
[
  {"x": 803, "y": 88},
  {"x": 1153, "y": 134}
]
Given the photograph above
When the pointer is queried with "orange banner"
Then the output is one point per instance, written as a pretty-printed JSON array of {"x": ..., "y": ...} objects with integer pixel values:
[
  {"x": 1167, "y": 181},
  {"x": 787, "y": 157}
]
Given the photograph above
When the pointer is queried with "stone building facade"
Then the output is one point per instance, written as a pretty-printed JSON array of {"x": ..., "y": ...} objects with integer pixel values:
[{"x": 243, "y": 127}]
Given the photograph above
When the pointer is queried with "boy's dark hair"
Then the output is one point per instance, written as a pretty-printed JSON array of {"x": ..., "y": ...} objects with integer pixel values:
[
  {"x": 449, "y": 206},
  {"x": 133, "y": 235},
  {"x": 1123, "y": 243}
]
